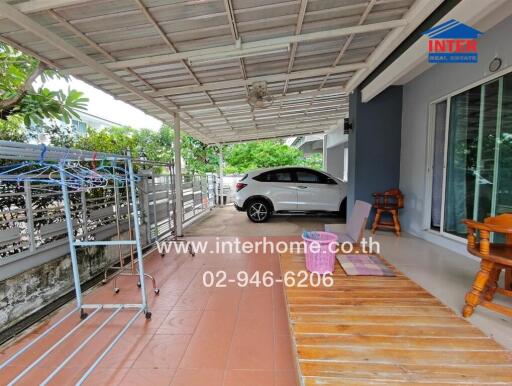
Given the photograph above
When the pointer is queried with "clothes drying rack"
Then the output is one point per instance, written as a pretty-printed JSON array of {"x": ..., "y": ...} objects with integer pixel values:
[
  {"x": 123, "y": 269},
  {"x": 85, "y": 311}
]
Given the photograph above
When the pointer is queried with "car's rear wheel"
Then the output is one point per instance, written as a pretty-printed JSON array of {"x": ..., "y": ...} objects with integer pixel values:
[{"x": 258, "y": 211}]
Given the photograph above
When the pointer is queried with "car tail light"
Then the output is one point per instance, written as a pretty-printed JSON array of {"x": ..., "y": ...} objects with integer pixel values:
[{"x": 240, "y": 186}]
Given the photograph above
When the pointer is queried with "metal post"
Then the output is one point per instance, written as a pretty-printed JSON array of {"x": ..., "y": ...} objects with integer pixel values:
[
  {"x": 30, "y": 215},
  {"x": 324, "y": 153},
  {"x": 154, "y": 200},
  {"x": 144, "y": 203},
  {"x": 83, "y": 198},
  {"x": 71, "y": 239},
  {"x": 221, "y": 176},
  {"x": 136, "y": 225},
  {"x": 168, "y": 191},
  {"x": 177, "y": 177},
  {"x": 172, "y": 183}
]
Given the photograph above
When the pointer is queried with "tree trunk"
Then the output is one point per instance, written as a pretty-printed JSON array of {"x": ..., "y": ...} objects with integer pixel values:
[{"x": 8, "y": 105}]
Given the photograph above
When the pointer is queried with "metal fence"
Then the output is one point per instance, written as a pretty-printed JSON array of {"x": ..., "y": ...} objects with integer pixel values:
[
  {"x": 198, "y": 195},
  {"x": 32, "y": 222}
]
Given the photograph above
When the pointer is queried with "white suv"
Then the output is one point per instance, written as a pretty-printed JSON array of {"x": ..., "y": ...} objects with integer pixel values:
[{"x": 289, "y": 189}]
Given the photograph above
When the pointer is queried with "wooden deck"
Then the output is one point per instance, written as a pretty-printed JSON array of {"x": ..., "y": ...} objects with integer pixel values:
[{"x": 385, "y": 330}]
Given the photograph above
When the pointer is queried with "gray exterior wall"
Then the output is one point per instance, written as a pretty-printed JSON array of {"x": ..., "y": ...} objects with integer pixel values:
[
  {"x": 374, "y": 144},
  {"x": 334, "y": 160},
  {"x": 433, "y": 84}
]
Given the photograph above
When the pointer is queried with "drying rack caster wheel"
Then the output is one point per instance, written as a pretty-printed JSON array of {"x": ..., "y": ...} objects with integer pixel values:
[
  {"x": 138, "y": 284},
  {"x": 83, "y": 314},
  {"x": 157, "y": 291},
  {"x": 104, "y": 281},
  {"x": 116, "y": 290},
  {"x": 162, "y": 255},
  {"x": 148, "y": 315}
]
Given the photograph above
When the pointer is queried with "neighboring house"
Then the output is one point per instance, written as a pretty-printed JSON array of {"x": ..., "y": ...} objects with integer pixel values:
[
  {"x": 309, "y": 144},
  {"x": 333, "y": 144},
  {"x": 78, "y": 125},
  {"x": 88, "y": 120}
]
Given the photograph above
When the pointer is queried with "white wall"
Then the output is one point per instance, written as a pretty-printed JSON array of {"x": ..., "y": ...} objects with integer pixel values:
[
  {"x": 335, "y": 143},
  {"x": 433, "y": 84},
  {"x": 334, "y": 160}
]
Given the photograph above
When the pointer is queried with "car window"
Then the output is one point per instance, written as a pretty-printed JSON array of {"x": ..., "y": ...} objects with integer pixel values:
[
  {"x": 280, "y": 176},
  {"x": 275, "y": 176},
  {"x": 306, "y": 176},
  {"x": 263, "y": 177}
]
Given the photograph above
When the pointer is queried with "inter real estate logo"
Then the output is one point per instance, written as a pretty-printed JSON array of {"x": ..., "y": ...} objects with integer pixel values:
[{"x": 452, "y": 42}]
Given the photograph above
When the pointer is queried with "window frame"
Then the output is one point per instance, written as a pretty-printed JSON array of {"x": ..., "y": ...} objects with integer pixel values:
[{"x": 430, "y": 155}]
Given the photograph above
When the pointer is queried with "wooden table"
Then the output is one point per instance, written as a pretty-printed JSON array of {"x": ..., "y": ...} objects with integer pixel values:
[{"x": 385, "y": 330}]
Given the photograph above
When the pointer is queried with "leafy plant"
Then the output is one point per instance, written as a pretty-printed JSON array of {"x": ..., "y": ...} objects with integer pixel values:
[
  {"x": 18, "y": 96},
  {"x": 262, "y": 154}
]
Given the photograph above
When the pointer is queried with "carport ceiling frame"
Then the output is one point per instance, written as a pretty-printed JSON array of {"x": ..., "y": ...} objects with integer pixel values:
[{"x": 308, "y": 99}]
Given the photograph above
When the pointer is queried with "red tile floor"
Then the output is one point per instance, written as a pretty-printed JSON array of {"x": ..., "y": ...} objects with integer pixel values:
[{"x": 197, "y": 336}]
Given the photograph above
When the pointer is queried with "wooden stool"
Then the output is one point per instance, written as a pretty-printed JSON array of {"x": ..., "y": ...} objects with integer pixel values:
[
  {"x": 496, "y": 257},
  {"x": 388, "y": 202}
]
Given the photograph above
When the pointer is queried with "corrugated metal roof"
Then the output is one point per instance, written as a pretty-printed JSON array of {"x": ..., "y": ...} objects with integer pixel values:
[{"x": 199, "y": 58}]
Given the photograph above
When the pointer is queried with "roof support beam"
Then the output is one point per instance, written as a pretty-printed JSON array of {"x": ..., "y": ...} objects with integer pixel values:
[
  {"x": 337, "y": 114},
  {"x": 349, "y": 39},
  {"x": 418, "y": 12},
  {"x": 101, "y": 50},
  {"x": 33, "y": 6},
  {"x": 233, "y": 51},
  {"x": 269, "y": 79},
  {"x": 345, "y": 46},
  {"x": 298, "y": 29},
  {"x": 170, "y": 44},
  {"x": 289, "y": 130},
  {"x": 336, "y": 92},
  {"x": 267, "y": 136},
  {"x": 236, "y": 37},
  {"x": 292, "y": 129},
  {"x": 93, "y": 44},
  {"x": 273, "y": 112},
  {"x": 24, "y": 21}
]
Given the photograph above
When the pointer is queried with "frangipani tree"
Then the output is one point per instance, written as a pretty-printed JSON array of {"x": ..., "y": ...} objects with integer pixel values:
[{"x": 18, "y": 96}]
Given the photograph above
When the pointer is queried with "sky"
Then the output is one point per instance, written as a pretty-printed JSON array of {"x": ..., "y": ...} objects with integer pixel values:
[{"x": 103, "y": 105}]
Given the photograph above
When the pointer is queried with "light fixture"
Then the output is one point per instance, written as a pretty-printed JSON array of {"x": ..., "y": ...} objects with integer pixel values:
[
  {"x": 495, "y": 64},
  {"x": 239, "y": 52}
]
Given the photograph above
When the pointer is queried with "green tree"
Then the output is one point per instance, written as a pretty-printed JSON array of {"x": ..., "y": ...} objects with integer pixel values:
[
  {"x": 199, "y": 158},
  {"x": 261, "y": 154},
  {"x": 18, "y": 96},
  {"x": 110, "y": 140},
  {"x": 13, "y": 129}
]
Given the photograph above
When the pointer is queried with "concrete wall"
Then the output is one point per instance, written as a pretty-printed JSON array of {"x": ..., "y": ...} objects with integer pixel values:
[
  {"x": 433, "y": 84},
  {"x": 334, "y": 160},
  {"x": 26, "y": 293},
  {"x": 335, "y": 142},
  {"x": 374, "y": 144}
]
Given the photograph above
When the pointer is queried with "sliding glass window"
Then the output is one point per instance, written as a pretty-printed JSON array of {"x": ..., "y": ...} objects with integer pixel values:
[{"x": 478, "y": 173}]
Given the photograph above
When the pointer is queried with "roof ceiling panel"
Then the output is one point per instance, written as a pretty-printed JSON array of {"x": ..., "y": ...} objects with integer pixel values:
[{"x": 170, "y": 56}]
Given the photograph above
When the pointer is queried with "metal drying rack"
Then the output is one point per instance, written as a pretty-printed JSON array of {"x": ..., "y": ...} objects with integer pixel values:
[{"x": 12, "y": 150}]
